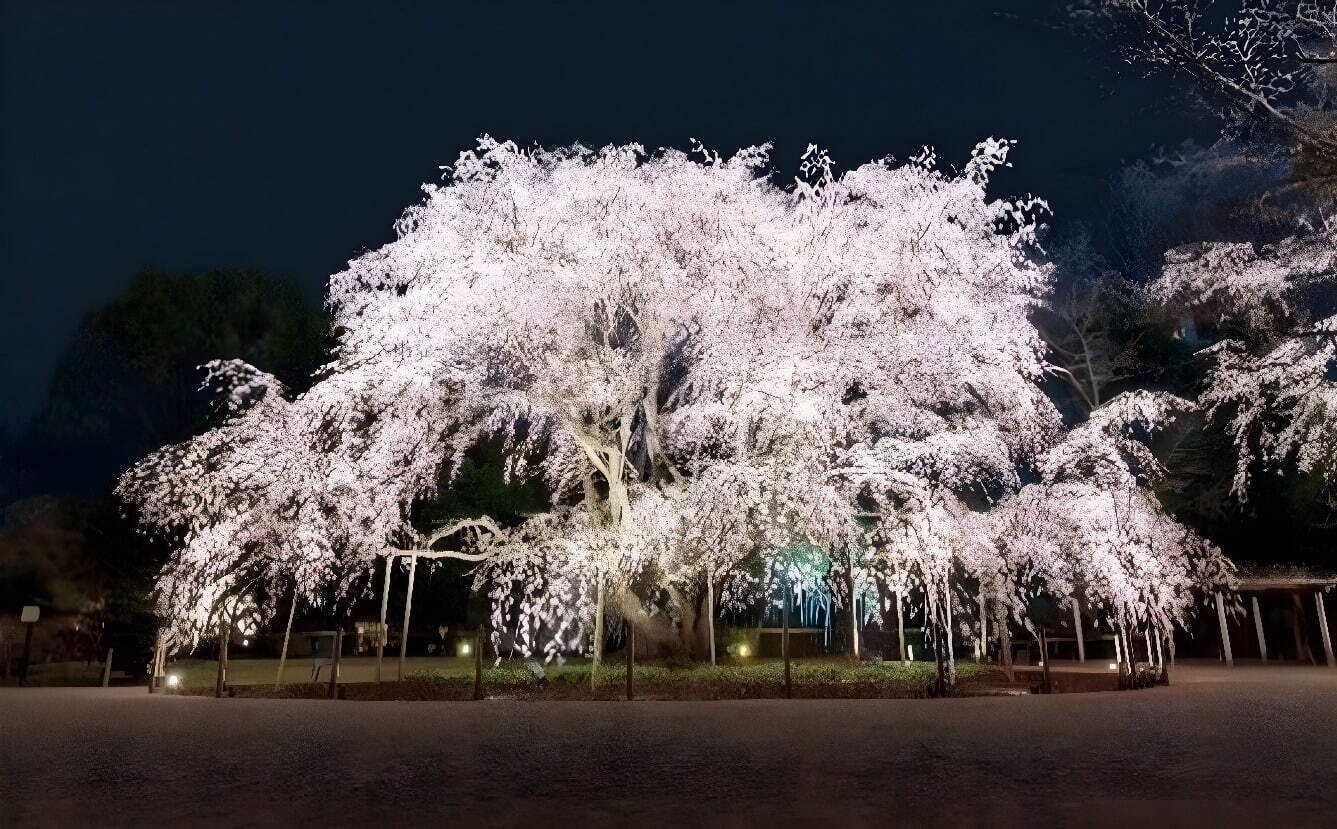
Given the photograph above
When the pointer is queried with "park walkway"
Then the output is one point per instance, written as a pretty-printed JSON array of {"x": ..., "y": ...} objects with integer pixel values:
[{"x": 1224, "y": 747}]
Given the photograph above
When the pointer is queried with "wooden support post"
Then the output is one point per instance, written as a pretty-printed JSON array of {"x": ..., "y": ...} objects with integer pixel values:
[
  {"x": 106, "y": 669},
  {"x": 1044, "y": 661},
  {"x": 221, "y": 681},
  {"x": 27, "y": 652},
  {"x": 597, "y": 661},
  {"x": 951, "y": 653},
  {"x": 710, "y": 614},
  {"x": 900, "y": 626},
  {"x": 408, "y": 611},
  {"x": 338, "y": 646},
  {"x": 1225, "y": 632},
  {"x": 631, "y": 655},
  {"x": 381, "y": 636},
  {"x": 784, "y": 641},
  {"x": 1258, "y": 627},
  {"x": 854, "y": 610},
  {"x": 478, "y": 663},
  {"x": 1323, "y": 628},
  {"x": 1077, "y": 630},
  {"x": 287, "y": 634},
  {"x": 983, "y": 647}
]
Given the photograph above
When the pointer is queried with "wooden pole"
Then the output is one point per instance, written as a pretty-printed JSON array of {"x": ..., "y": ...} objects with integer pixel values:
[
  {"x": 1044, "y": 661},
  {"x": 1225, "y": 633},
  {"x": 478, "y": 663},
  {"x": 385, "y": 601},
  {"x": 854, "y": 610},
  {"x": 408, "y": 610},
  {"x": 784, "y": 641},
  {"x": 598, "y": 635},
  {"x": 27, "y": 652},
  {"x": 951, "y": 653},
  {"x": 1258, "y": 627},
  {"x": 1323, "y": 628},
  {"x": 710, "y": 613},
  {"x": 287, "y": 633},
  {"x": 106, "y": 669},
  {"x": 631, "y": 655},
  {"x": 900, "y": 626},
  {"x": 221, "y": 680},
  {"x": 1077, "y": 630},
  {"x": 983, "y": 646},
  {"x": 334, "y": 666}
]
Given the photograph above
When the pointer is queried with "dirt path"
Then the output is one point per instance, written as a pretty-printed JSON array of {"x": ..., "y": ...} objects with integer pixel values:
[{"x": 1235, "y": 748}]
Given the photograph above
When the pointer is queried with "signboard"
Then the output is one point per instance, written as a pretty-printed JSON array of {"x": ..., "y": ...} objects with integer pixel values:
[{"x": 30, "y": 613}]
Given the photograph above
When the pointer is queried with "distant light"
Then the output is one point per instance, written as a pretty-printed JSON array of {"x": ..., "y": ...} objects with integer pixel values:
[
  {"x": 173, "y": 680},
  {"x": 1041, "y": 663},
  {"x": 744, "y": 651},
  {"x": 1114, "y": 666},
  {"x": 246, "y": 643},
  {"x": 464, "y": 649}
]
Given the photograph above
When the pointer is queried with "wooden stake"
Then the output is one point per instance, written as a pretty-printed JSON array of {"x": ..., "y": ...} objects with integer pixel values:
[
  {"x": 408, "y": 611},
  {"x": 1258, "y": 627}
]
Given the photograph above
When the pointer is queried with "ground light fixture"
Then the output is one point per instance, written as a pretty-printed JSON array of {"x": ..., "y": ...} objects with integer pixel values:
[
  {"x": 744, "y": 651},
  {"x": 173, "y": 680},
  {"x": 1114, "y": 666},
  {"x": 464, "y": 649}
]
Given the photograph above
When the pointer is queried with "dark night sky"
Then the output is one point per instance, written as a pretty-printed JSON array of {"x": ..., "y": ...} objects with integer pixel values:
[{"x": 198, "y": 135}]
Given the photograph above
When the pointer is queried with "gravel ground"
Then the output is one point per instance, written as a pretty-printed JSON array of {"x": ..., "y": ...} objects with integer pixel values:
[{"x": 1217, "y": 747}]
